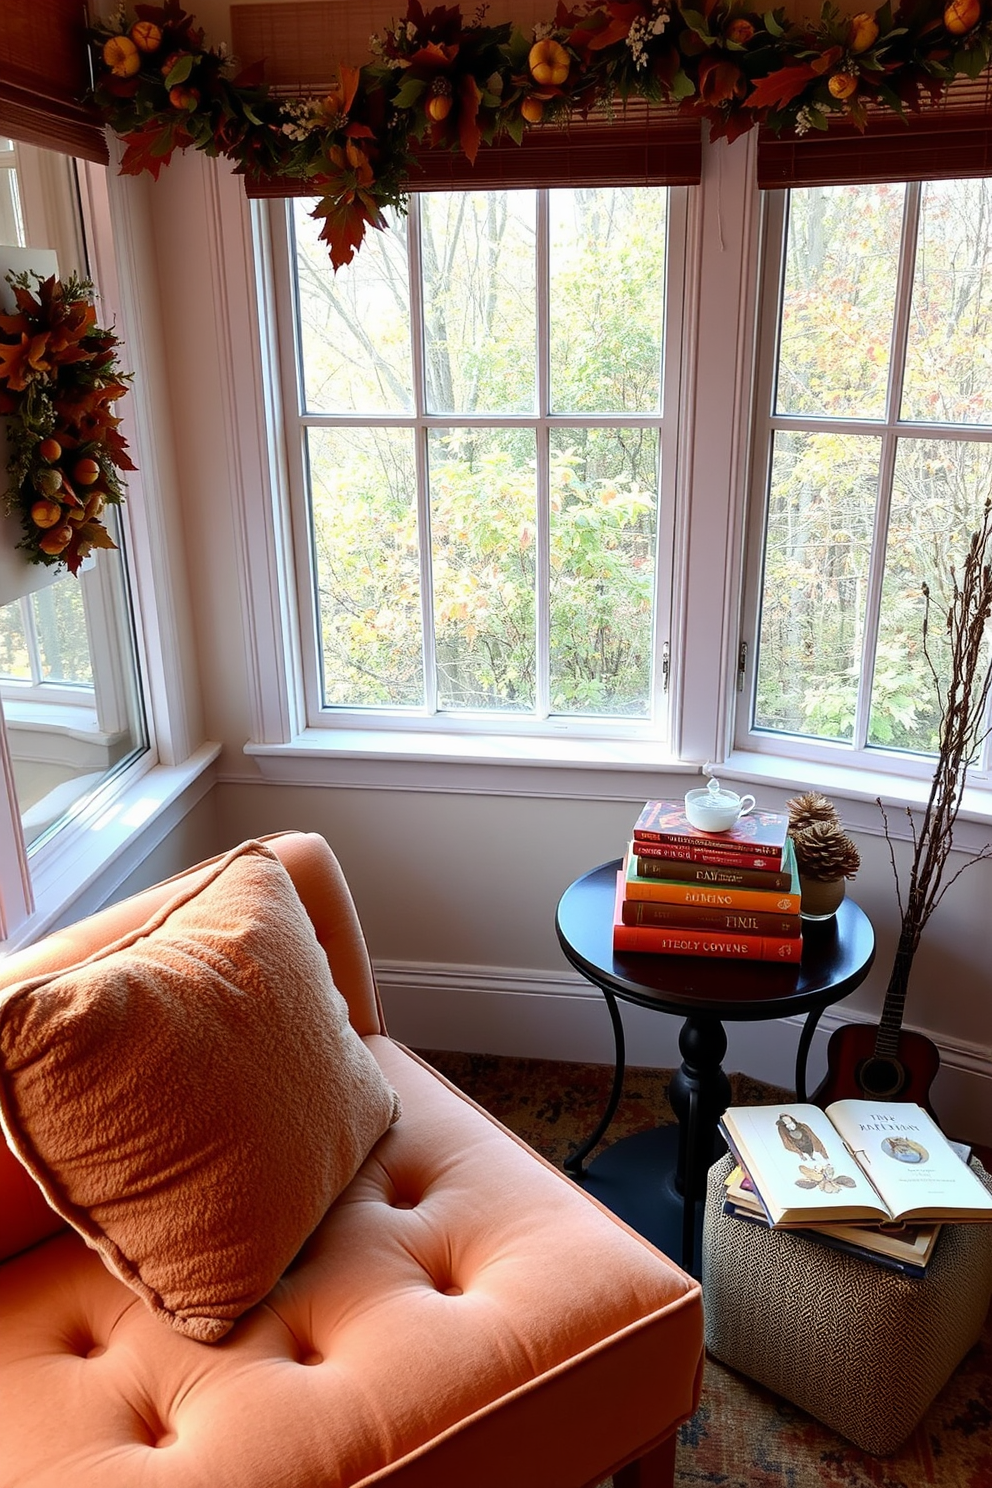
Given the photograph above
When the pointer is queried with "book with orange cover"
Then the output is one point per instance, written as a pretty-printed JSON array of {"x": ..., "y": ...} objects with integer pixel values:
[
  {"x": 702, "y": 917},
  {"x": 671, "y": 941},
  {"x": 714, "y": 896},
  {"x": 761, "y": 833}
]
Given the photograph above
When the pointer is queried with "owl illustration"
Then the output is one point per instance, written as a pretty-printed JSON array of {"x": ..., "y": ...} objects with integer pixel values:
[{"x": 798, "y": 1137}]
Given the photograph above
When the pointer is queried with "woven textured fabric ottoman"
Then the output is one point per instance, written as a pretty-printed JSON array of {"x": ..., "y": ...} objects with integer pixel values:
[{"x": 863, "y": 1349}]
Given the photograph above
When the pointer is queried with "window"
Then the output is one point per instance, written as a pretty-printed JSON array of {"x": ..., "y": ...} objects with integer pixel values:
[
  {"x": 872, "y": 458},
  {"x": 484, "y": 405},
  {"x": 70, "y": 699}
]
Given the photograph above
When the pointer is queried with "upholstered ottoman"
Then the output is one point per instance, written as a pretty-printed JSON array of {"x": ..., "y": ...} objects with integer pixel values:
[{"x": 863, "y": 1349}]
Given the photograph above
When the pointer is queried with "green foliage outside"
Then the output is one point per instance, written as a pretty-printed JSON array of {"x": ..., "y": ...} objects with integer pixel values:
[
  {"x": 479, "y": 508},
  {"x": 836, "y": 363}
]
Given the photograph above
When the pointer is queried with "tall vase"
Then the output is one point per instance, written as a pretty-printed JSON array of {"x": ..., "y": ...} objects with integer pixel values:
[{"x": 820, "y": 901}]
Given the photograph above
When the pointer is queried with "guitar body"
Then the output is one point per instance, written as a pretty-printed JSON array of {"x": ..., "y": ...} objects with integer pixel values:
[{"x": 857, "y": 1071}]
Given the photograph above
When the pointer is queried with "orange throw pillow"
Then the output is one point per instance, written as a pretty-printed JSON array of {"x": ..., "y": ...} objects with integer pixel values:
[{"x": 193, "y": 1098}]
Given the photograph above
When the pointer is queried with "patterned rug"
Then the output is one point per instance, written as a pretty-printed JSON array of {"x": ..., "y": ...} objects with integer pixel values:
[{"x": 742, "y": 1436}]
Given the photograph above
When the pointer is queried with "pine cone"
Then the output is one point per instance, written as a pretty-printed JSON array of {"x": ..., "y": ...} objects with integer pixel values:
[
  {"x": 809, "y": 808},
  {"x": 824, "y": 852}
]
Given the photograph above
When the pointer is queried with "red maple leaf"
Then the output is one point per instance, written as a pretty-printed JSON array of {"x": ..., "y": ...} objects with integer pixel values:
[{"x": 148, "y": 149}]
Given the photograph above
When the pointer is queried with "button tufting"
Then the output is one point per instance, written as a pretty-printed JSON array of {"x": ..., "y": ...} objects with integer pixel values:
[
  {"x": 167, "y": 1439},
  {"x": 95, "y": 1351},
  {"x": 404, "y": 1204},
  {"x": 451, "y": 1291},
  {"x": 313, "y": 1358}
]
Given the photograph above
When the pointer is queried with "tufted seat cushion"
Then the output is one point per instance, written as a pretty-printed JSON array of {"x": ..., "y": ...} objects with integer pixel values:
[{"x": 461, "y": 1317}]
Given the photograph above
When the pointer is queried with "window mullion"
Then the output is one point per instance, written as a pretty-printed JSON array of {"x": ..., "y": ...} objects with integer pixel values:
[
  {"x": 32, "y": 646},
  {"x": 887, "y": 462},
  {"x": 417, "y": 333},
  {"x": 542, "y": 598}
]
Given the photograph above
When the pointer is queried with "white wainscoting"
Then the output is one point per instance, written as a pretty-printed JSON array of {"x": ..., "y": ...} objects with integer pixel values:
[{"x": 538, "y": 1015}]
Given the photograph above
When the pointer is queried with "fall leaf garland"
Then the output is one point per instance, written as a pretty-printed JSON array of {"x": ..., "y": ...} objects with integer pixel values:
[
  {"x": 457, "y": 85},
  {"x": 59, "y": 380}
]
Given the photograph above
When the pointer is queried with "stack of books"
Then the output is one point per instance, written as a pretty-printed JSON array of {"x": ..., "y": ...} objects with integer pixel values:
[
  {"x": 683, "y": 892},
  {"x": 876, "y": 1179}
]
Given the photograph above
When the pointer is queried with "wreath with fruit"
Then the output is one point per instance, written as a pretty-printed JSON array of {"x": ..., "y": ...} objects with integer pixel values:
[
  {"x": 439, "y": 82},
  {"x": 59, "y": 381}
]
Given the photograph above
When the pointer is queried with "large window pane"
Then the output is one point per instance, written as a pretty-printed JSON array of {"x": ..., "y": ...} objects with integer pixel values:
[
  {"x": 838, "y": 300},
  {"x": 474, "y": 553},
  {"x": 607, "y": 299},
  {"x": 355, "y": 324},
  {"x": 938, "y": 492},
  {"x": 479, "y": 293},
  {"x": 949, "y": 357},
  {"x": 364, "y": 516},
  {"x": 483, "y": 516},
  {"x": 817, "y": 549},
  {"x": 603, "y": 535}
]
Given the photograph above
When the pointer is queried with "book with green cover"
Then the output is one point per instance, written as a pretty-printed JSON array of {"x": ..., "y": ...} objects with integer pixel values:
[{"x": 715, "y": 895}]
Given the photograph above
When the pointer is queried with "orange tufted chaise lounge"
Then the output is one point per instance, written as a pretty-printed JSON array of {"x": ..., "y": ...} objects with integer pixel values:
[{"x": 462, "y": 1317}]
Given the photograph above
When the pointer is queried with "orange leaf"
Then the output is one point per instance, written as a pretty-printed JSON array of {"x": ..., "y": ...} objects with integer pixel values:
[
  {"x": 623, "y": 16},
  {"x": 469, "y": 132},
  {"x": 827, "y": 59},
  {"x": 780, "y": 87}
]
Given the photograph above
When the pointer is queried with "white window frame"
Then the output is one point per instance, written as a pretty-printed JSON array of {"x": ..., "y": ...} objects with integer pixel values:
[
  {"x": 654, "y": 729},
  {"x": 838, "y": 760},
  {"x": 77, "y": 869},
  {"x": 710, "y": 461}
]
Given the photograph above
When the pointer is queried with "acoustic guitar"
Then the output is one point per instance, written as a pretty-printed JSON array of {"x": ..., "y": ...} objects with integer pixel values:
[{"x": 880, "y": 1062}]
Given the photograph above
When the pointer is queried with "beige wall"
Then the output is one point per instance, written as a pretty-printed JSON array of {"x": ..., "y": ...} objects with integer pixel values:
[{"x": 458, "y": 880}]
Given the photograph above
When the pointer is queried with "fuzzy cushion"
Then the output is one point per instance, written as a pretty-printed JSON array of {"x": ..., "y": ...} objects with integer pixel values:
[{"x": 193, "y": 1098}]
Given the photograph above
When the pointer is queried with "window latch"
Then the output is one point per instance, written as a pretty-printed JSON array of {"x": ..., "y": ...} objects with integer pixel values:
[
  {"x": 666, "y": 666},
  {"x": 741, "y": 665}
]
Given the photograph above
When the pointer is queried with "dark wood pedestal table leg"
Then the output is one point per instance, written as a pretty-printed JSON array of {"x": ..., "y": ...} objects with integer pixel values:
[{"x": 666, "y": 1210}]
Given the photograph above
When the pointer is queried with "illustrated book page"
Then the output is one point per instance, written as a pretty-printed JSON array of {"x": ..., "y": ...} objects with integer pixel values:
[
  {"x": 801, "y": 1170},
  {"x": 909, "y": 1160}
]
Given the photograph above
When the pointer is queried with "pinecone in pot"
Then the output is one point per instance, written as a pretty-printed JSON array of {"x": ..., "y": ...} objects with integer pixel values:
[
  {"x": 808, "y": 808},
  {"x": 824, "y": 852}
]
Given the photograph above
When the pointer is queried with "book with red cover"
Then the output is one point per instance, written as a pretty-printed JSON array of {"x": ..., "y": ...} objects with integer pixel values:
[
  {"x": 760, "y": 832},
  {"x": 704, "y": 917},
  {"x": 688, "y": 854},
  {"x": 716, "y": 895},
  {"x": 736, "y": 872},
  {"x": 663, "y": 941}
]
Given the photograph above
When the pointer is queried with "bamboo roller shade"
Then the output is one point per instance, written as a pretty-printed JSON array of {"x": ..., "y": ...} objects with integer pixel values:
[
  {"x": 303, "y": 43},
  {"x": 44, "y": 72},
  {"x": 951, "y": 139}
]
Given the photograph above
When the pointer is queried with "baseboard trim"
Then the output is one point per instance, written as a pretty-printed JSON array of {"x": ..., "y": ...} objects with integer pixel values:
[{"x": 549, "y": 1015}]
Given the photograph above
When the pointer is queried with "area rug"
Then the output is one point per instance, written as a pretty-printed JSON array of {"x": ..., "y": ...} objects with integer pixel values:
[{"x": 742, "y": 1436}]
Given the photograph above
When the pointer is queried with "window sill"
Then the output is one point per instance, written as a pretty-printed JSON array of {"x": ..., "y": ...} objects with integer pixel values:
[
  {"x": 93, "y": 855},
  {"x": 856, "y": 793},
  {"x": 470, "y": 763}
]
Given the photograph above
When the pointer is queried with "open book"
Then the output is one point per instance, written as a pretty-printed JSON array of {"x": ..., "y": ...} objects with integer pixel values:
[
  {"x": 860, "y": 1162},
  {"x": 902, "y": 1246}
]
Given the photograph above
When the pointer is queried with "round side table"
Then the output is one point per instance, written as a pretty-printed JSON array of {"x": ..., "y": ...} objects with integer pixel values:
[{"x": 656, "y": 1180}]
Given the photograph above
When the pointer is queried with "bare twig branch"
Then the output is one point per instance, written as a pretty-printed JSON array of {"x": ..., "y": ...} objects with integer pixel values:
[{"x": 964, "y": 727}]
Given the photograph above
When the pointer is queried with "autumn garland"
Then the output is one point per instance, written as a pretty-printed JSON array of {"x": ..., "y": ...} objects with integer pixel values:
[
  {"x": 454, "y": 85},
  {"x": 59, "y": 380}
]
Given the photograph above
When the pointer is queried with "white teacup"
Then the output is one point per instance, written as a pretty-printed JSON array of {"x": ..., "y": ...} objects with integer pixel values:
[{"x": 714, "y": 809}]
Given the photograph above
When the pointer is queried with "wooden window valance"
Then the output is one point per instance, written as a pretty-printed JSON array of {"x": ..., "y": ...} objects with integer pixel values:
[
  {"x": 44, "y": 72},
  {"x": 303, "y": 43},
  {"x": 951, "y": 139}
]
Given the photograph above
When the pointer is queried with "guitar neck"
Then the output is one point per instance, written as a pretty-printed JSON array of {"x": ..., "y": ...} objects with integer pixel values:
[{"x": 890, "y": 1022}]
